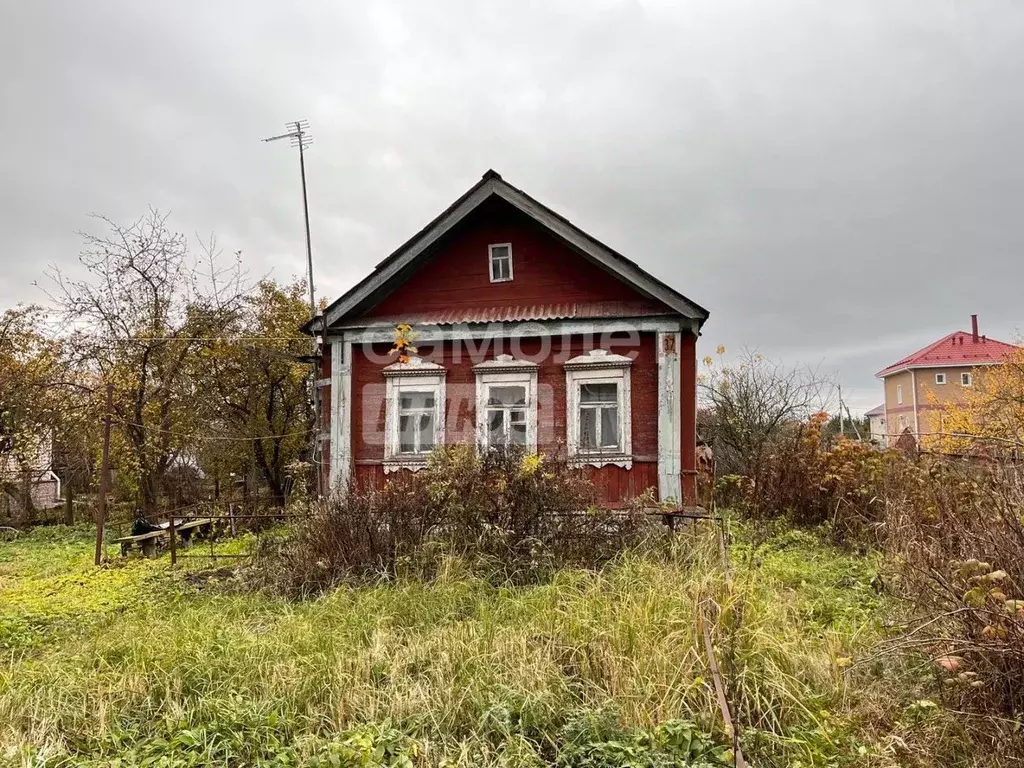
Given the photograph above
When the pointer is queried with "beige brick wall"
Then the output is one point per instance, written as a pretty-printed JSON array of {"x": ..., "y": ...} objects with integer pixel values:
[
  {"x": 899, "y": 416},
  {"x": 931, "y": 397}
]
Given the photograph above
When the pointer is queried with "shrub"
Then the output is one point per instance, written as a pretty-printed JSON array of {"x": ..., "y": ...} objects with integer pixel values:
[
  {"x": 810, "y": 480},
  {"x": 956, "y": 530},
  {"x": 520, "y": 515}
]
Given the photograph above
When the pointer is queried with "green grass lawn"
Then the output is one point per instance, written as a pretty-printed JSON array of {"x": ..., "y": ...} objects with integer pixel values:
[{"x": 138, "y": 664}]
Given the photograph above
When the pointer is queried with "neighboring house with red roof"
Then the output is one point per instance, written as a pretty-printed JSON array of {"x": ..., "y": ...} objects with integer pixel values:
[
  {"x": 920, "y": 385},
  {"x": 529, "y": 332}
]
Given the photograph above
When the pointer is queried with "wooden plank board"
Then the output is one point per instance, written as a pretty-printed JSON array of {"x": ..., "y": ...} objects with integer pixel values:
[{"x": 166, "y": 530}]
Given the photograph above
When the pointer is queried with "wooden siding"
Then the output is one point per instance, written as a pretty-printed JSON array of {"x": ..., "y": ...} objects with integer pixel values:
[
  {"x": 615, "y": 484},
  {"x": 545, "y": 270}
]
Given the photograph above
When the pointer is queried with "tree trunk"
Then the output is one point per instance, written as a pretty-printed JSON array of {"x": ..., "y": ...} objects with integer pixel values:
[
  {"x": 27, "y": 508},
  {"x": 150, "y": 497},
  {"x": 69, "y": 501}
]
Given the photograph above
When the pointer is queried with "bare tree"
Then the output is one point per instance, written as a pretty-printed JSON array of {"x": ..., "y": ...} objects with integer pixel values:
[
  {"x": 144, "y": 309},
  {"x": 747, "y": 404}
]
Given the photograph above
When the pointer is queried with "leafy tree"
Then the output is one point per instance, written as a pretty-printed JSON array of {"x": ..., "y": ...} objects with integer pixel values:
[
  {"x": 30, "y": 408},
  {"x": 259, "y": 412},
  {"x": 145, "y": 308},
  {"x": 990, "y": 412}
]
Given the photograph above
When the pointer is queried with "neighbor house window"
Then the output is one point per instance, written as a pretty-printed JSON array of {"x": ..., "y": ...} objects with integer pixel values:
[
  {"x": 899, "y": 394},
  {"x": 501, "y": 262},
  {"x": 598, "y": 417},
  {"x": 414, "y": 413},
  {"x": 506, "y": 403},
  {"x": 965, "y": 379},
  {"x": 940, "y": 378}
]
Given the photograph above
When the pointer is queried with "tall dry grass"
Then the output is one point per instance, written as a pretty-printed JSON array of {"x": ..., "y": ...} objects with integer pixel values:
[{"x": 470, "y": 671}]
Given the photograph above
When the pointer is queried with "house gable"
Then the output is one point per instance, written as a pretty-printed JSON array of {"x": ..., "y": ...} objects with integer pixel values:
[
  {"x": 370, "y": 297},
  {"x": 456, "y": 273}
]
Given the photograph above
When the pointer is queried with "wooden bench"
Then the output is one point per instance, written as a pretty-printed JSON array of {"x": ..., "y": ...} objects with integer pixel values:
[
  {"x": 147, "y": 542},
  {"x": 687, "y": 514}
]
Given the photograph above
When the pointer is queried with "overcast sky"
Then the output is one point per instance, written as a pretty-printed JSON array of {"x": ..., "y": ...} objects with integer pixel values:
[{"x": 838, "y": 182}]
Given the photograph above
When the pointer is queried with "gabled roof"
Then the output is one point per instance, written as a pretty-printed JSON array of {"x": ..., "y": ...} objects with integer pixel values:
[
  {"x": 878, "y": 410},
  {"x": 956, "y": 349},
  {"x": 398, "y": 265}
]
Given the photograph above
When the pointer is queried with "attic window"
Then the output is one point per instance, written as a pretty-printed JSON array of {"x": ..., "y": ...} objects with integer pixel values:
[{"x": 501, "y": 262}]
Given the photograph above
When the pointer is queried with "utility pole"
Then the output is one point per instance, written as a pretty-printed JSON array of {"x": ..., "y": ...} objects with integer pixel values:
[
  {"x": 101, "y": 508},
  {"x": 300, "y": 137},
  {"x": 840, "y": 386}
]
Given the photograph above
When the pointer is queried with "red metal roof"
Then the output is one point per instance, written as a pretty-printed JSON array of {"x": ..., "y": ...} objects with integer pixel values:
[
  {"x": 570, "y": 310},
  {"x": 958, "y": 348}
]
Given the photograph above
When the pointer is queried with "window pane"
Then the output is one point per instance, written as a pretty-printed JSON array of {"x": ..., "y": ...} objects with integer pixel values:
[
  {"x": 500, "y": 268},
  {"x": 426, "y": 431},
  {"x": 506, "y": 396},
  {"x": 518, "y": 417},
  {"x": 518, "y": 434},
  {"x": 609, "y": 427},
  {"x": 408, "y": 400},
  {"x": 588, "y": 428},
  {"x": 406, "y": 441},
  {"x": 495, "y": 427},
  {"x": 598, "y": 393}
]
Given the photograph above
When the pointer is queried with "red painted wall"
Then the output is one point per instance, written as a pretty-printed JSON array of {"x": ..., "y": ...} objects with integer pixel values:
[
  {"x": 544, "y": 270},
  {"x": 615, "y": 484}
]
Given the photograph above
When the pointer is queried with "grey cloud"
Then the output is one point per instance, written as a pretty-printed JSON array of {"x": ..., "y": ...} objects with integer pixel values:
[{"x": 838, "y": 182}]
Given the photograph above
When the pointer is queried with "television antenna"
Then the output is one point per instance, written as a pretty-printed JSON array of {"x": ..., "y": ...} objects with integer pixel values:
[{"x": 299, "y": 136}]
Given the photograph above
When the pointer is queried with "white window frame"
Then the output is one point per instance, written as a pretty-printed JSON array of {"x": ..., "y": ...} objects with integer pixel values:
[
  {"x": 414, "y": 376},
  {"x": 599, "y": 367},
  {"x": 899, "y": 394},
  {"x": 490, "y": 262},
  {"x": 966, "y": 379},
  {"x": 940, "y": 378},
  {"x": 506, "y": 371}
]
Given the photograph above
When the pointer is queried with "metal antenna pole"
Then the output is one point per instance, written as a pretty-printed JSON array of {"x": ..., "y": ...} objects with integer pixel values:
[
  {"x": 305, "y": 213},
  {"x": 300, "y": 137}
]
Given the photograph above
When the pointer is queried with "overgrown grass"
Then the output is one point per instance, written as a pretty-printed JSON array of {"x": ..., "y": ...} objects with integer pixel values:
[{"x": 135, "y": 663}]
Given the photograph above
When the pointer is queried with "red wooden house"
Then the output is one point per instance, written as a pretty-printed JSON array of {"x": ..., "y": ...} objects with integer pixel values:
[{"x": 529, "y": 332}]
